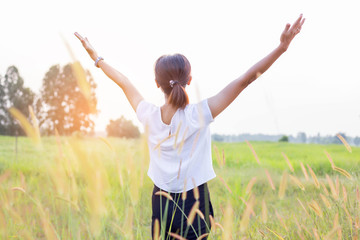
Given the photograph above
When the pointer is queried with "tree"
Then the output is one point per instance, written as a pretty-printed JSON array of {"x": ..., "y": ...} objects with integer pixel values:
[
  {"x": 13, "y": 93},
  {"x": 218, "y": 137},
  {"x": 122, "y": 127},
  {"x": 301, "y": 136},
  {"x": 357, "y": 141},
  {"x": 284, "y": 138},
  {"x": 65, "y": 108}
]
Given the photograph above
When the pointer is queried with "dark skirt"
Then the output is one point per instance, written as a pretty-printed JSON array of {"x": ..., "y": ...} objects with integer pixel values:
[{"x": 174, "y": 215}]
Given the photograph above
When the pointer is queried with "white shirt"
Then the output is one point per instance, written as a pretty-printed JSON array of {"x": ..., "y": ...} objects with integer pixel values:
[{"x": 181, "y": 150}]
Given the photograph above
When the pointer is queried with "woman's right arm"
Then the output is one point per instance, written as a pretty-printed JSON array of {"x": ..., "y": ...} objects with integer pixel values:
[
  {"x": 225, "y": 97},
  {"x": 131, "y": 93}
]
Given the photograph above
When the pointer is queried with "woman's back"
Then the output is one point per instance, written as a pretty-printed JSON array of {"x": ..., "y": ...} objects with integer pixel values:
[{"x": 180, "y": 150}]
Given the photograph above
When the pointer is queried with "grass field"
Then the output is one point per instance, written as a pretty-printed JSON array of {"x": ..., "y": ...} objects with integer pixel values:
[{"x": 93, "y": 188}]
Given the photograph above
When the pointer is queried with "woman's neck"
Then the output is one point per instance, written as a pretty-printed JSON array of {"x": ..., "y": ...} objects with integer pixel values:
[{"x": 167, "y": 112}]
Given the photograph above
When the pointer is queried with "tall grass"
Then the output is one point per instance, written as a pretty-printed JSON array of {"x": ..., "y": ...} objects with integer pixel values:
[{"x": 97, "y": 188}]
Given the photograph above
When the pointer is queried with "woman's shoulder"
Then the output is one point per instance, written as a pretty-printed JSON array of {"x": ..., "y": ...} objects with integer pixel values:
[
  {"x": 199, "y": 111},
  {"x": 145, "y": 109},
  {"x": 145, "y": 105}
]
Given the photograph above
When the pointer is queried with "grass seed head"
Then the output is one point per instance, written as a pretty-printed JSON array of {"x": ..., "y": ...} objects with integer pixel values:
[
  {"x": 178, "y": 176},
  {"x": 325, "y": 189},
  {"x": 313, "y": 175},
  {"x": 304, "y": 171},
  {"x": 176, "y": 236},
  {"x": 270, "y": 180},
  {"x": 192, "y": 213},
  {"x": 156, "y": 230},
  {"x": 212, "y": 222},
  {"x": 228, "y": 222},
  {"x": 283, "y": 184},
  {"x": 345, "y": 196},
  {"x": 223, "y": 155},
  {"x": 297, "y": 182},
  {"x": 302, "y": 205},
  {"x": 183, "y": 194},
  {"x": 164, "y": 194},
  {"x": 343, "y": 172},
  {"x": 348, "y": 215},
  {"x": 316, "y": 234},
  {"x": 275, "y": 233},
  {"x": 332, "y": 187},
  {"x": 281, "y": 220},
  {"x": 217, "y": 154},
  {"x": 250, "y": 185},
  {"x": 225, "y": 184},
  {"x": 201, "y": 215},
  {"x": 316, "y": 208},
  {"x": 253, "y": 151},
  {"x": 31, "y": 131},
  {"x": 288, "y": 162},
  {"x": 264, "y": 211},
  {"x": 195, "y": 190},
  {"x": 244, "y": 222},
  {"x": 183, "y": 140},
  {"x": 343, "y": 140},
  {"x": 325, "y": 201},
  {"x": 202, "y": 236},
  {"x": 18, "y": 189},
  {"x": 330, "y": 159},
  {"x": 177, "y": 134},
  {"x": 219, "y": 226}
]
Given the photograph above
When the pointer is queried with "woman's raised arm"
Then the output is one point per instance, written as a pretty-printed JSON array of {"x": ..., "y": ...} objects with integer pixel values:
[
  {"x": 122, "y": 81},
  {"x": 226, "y": 96}
]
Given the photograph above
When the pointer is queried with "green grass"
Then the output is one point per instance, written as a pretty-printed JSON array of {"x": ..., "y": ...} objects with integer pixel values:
[{"x": 92, "y": 189}]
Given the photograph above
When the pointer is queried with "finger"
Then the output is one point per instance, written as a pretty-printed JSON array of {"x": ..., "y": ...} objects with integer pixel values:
[
  {"x": 286, "y": 28},
  {"x": 79, "y": 36},
  {"x": 298, "y": 29},
  {"x": 296, "y": 23},
  {"x": 302, "y": 22}
]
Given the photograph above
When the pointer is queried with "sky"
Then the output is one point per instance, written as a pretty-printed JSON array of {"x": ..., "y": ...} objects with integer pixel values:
[{"x": 314, "y": 87}]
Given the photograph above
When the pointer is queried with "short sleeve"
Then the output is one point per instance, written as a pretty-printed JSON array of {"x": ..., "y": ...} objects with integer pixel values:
[
  {"x": 143, "y": 111},
  {"x": 206, "y": 112},
  {"x": 200, "y": 114}
]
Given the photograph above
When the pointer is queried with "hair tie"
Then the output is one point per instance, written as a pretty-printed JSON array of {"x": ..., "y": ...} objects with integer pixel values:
[{"x": 173, "y": 82}]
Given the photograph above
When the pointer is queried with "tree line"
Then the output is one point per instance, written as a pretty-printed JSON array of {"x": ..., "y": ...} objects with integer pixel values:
[
  {"x": 301, "y": 137},
  {"x": 60, "y": 105}
]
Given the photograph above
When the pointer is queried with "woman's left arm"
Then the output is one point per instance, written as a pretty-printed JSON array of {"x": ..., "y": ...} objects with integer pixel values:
[{"x": 131, "y": 93}]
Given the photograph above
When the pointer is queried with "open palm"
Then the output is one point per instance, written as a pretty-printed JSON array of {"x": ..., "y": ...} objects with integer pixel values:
[
  {"x": 291, "y": 31},
  {"x": 86, "y": 44}
]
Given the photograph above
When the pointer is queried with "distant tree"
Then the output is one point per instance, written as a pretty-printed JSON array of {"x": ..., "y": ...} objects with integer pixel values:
[
  {"x": 13, "y": 93},
  {"x": 122, "y": 127},
  {"x": 65, "y": 108},
  {"x": 357, "y": 141},
  {"x": 301, "y": 136},
  {"x": 336, "y": 140},
  {"x": 218, "y": 137},
  {"x": 284, "y": 138}
]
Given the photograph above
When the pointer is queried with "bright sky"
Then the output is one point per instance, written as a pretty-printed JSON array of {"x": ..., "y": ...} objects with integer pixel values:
[{"x": 314, "y": 87}]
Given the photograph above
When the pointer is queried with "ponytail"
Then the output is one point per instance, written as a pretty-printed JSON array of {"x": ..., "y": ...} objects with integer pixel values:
[
  {"x": 178, "y": 96},
  {"x": 172, "y": 73}
]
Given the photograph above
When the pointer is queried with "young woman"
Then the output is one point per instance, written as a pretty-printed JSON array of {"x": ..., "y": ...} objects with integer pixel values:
[{"x": 179, "y": 139}]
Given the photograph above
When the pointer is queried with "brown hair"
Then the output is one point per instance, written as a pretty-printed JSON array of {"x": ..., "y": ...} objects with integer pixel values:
[{"x": 177, "y": 68}]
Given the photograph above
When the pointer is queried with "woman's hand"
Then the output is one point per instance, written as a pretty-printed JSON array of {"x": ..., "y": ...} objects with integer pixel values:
[
  {"x": 290, "y": 32},
  {"x": 86, "y": 44}
]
